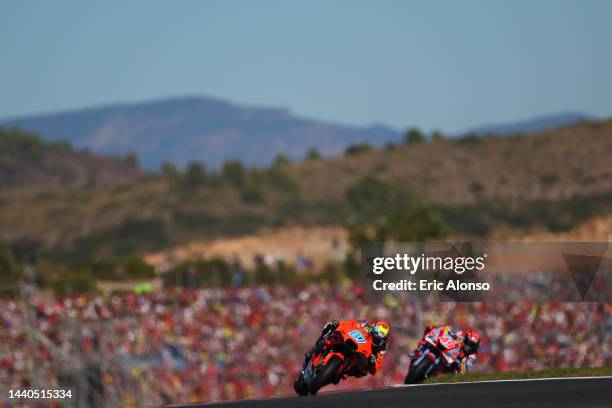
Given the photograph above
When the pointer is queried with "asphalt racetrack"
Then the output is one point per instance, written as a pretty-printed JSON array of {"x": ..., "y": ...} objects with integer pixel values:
[{"x": 564, "y": 392}]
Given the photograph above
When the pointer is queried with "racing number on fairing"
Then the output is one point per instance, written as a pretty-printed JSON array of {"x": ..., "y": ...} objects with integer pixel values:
[
  {"x": 358, "y": 336},
  {"x": 447, "y": 343}
]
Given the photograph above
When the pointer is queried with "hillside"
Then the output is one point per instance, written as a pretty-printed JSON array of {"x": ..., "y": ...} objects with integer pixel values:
[
  {"x": 318, "y": 244},
  {"x": 537, "y": 124},
  {"x": 550, "y": 166},
  {"x": 29, "y": 164},
  {"x": 198, "y": 128},
  {"x": 550, "y": 181},
  {"x": 324, "y": 244}
]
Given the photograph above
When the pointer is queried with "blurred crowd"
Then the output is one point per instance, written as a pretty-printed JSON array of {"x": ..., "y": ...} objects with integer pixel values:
[{"x": 220, "y": 344}]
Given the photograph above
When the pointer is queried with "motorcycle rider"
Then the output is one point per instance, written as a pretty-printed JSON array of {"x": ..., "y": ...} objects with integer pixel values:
[
  {"x": 379, "y": 333},
  {"x": 470, "y": 340},
  {"x": 469, "y": 350}
]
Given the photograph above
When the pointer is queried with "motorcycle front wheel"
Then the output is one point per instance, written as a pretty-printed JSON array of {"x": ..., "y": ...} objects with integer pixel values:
[
  {"x": 417, "y": 372},
  {"x": 326, "y": 374}
]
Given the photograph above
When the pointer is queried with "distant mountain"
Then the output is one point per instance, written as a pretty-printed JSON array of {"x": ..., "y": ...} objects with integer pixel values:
[
  {"x": 537, "y": 124},
  {"x": 202, "y": 128}
]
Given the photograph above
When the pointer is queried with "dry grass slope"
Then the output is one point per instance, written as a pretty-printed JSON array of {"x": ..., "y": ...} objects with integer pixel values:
[
  {"x": 552, "y": 166},
  {"x": 105, "y": 208}
]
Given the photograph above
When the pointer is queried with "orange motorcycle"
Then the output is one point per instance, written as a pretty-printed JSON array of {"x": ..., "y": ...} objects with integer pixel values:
[{"x": 344, "y": 352}]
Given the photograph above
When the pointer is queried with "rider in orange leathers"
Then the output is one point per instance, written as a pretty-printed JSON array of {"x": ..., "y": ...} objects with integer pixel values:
[{"x": 378, "y": 332}]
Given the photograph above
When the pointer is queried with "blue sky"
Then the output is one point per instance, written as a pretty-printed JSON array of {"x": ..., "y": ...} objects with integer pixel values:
[{"x": 444, "y": 64}]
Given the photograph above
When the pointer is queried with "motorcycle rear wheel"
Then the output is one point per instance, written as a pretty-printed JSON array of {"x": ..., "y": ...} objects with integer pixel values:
[
  {"x": 417, "y": 372},
  {"x": 326, "y": 375}
]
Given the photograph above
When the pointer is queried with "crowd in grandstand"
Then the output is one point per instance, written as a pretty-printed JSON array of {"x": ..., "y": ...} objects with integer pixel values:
[{"x": 219, "y": 344}]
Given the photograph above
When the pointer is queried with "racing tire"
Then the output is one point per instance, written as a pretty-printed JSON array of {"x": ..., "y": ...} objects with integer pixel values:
[
  {"x": 300, "y": 387},
  {"x": 417, "y": 372},
  {"x": 326, "y": 375}
]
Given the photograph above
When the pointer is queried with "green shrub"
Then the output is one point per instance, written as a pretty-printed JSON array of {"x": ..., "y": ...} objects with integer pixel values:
[
  {"x": 24, "y": 145},
  {"x": 358, "y": 149},
  {"x": 130, "y": 267},
  {"x": 130, "y": 237},
  {"x": 252, "y": 194},
  {"x": 413, "y": 135},
  {"x": 64, "y": 280},
  {"x": 169, "y": 170},
  {"x": 194, "y": 175},
  {"x": 379, "y": 210},
  {"x": 281, "y": 160},
  {"x": 214, "y": 272},
  {"x": 8, "y": 266},
  {"x": 234, "y": 173},
  {"x": 437, "y": 136},
  {"x": 313, "y": 155},
  {"x": 279, "y": 178}
]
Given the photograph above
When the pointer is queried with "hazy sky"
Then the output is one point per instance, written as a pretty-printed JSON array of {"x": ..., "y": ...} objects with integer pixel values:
[{"x": 451, "y": 64}]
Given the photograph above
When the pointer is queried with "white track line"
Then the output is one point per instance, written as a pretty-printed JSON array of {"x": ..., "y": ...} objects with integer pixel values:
[{"x": 500, "y": 381}]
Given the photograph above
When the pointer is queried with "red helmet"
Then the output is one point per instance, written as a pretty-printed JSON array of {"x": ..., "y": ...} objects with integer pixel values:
[{"x": 471, "y": 341}]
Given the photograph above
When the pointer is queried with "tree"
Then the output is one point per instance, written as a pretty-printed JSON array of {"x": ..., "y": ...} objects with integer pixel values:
[
  {"x": 194, "y": 175},
  {"x": 358, "y": 149},
  {"x": 252, "y": 194},
  {"x": 470, "y": 138},
  {"x": 437, "y": 136},
  {"x": 281, "y": 160},
  {"x": 214, "y": 178},
  {"x": 379, "y": 211},
  {"x": 131, "y": 159},
  {"x": 7, "y": 265},
  {"x": 280, "y": 178},
  {"x": 278, "y": 175},
  {"x": 313, "y": 154},
  {"x": 61, "y": 146},
  {"x": 413, "y": 135},
  {"x": 233, "y": 172},
  {"x": 10, "y": 271},
  {"x": 21, "y": 144},
  {"x": 135, "y": 267},
  {"x": 169, "y": 169}
]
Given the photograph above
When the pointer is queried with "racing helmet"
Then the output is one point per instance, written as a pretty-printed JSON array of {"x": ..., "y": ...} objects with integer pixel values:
[
  {"x": 471, "y": 341},
  {"x": 380, "y": 332}
]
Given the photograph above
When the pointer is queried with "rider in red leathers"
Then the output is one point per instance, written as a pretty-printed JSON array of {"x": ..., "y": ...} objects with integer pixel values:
[{"x": 470, "y": 343}]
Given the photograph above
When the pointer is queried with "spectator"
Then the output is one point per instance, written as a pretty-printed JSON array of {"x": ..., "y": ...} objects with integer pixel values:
[{"x": 212, "y": 344}]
